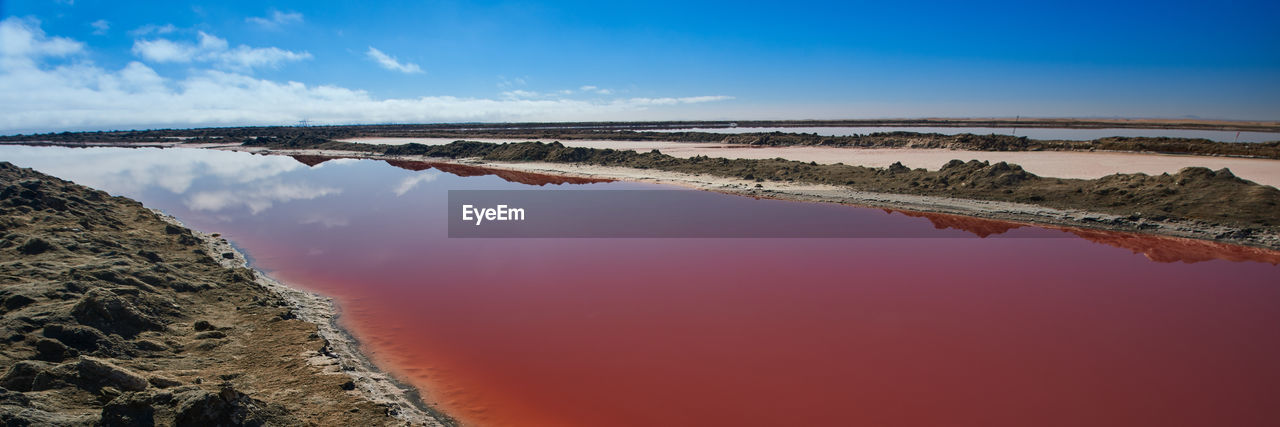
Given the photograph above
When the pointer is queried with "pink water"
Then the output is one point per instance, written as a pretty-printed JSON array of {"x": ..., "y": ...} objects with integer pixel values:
[{"x": 1055, "y": 328}]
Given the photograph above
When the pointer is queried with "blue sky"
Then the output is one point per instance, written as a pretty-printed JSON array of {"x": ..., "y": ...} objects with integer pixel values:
[{"x": 88, "y": 64}]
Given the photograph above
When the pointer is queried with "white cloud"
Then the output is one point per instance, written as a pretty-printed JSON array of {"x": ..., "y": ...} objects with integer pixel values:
[
  {"x": 35, "y": 96},
  {"x": 100, "y": 26},
  {"x": 521, "y": 94},
  {"x": 675, "y": 101},
  {"x": 389, "y": 62},
  {"x": 153, "y": 28},
  {"x": 588, "y": 89},
  {"x": 276, "y": 19},
  {"x": 595, "y": 90},
  {"x": 504, "y": 82},
  {"x": 163, "y": 50},
  {"x": 22, "y": 43},
  {"x": 216, "y": 51}
]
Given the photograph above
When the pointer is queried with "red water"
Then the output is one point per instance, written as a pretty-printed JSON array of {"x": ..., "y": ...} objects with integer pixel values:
[
  {"x": 1088, "y": 329},
  {"x": 886, "y": 332}
]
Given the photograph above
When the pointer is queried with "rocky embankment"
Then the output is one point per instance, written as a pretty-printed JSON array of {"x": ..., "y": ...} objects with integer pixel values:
[
  {"x": 1194, "y": 194},
  {"x": 111, "y": 315}
]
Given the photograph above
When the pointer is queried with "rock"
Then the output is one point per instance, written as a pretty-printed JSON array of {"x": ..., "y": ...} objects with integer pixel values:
[
  {"x": 17, "y": 301},
  {"x": 132, "y": 409},
  {"x": 210, "y": 335},
  {"x": 76, "y": 336},
  {"x": 188, "y": 240},
  {"x": 149, "y": 345},
  {"x": 35, "y": 246},
  {"x": 228, "y": 255},
  {"x": 21, "y": 375},
  {"x": 108, "y": 393},
  {"x": 53, "y": 351},
  {"x": 105, "y": 373},
  {"x": 88, "y": 373},
  {"x": 349, "y": 385},
  {"x": 163, "y": 382},
  {"x": 149, "y": 255},
  {"x": 17, "y": 409},
  {"x": 110, "y": 313},
  {"x": 226, "y": 407},
  {"x": 203, "y": 325}
]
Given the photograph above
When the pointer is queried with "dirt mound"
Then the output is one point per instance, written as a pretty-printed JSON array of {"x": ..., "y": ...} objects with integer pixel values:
[
  {"x": 975, "y": 174},
  {"x": 1194, "y": 192},
  {"x": 97, "y": 326}
]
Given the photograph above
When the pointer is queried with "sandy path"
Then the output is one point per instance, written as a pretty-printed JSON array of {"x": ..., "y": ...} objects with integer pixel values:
[{"x": 1058, "y": 164}]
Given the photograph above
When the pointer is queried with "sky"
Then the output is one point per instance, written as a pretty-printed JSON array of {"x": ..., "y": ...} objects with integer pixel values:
[{"x": 104, "y": 65}]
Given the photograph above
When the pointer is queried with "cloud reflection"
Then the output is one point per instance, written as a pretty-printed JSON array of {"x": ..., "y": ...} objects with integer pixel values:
[
  {"x": 259, "y": 198},
  {"x": 130, "y": 171},
  {"x": 412, "y": 181}
]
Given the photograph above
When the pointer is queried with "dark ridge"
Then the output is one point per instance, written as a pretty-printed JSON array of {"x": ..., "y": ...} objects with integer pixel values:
[{"x": 647, "y": 131}]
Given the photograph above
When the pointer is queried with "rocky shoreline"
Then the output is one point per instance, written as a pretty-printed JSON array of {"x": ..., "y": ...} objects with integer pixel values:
[{"x": 112, "y": 314}]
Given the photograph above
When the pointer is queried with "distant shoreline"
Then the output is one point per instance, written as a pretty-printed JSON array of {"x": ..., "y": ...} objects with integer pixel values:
[{"x": 991, "y": 122}]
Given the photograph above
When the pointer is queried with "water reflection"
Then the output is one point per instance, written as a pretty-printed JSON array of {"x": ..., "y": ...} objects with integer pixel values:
[
  {"x": 979, "y": 227},
  {"x": 256, "y": 196},
  {"x": 528, "y": 178},
  {"x": 1155, "y": 248},
  {"x": 311, "y": 160},
  {"x": 135, "y": 170}
]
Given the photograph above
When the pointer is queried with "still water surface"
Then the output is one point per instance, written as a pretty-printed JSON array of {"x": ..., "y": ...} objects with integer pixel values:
[{"x": 1096, "y": 328}]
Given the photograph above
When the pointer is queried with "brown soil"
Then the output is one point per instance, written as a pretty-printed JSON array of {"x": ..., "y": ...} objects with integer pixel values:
[{"x": 110, "y": 315}]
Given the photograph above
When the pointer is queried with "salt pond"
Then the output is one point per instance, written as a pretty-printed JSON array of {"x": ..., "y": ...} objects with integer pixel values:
[{"x": 1028, "y": 326}]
